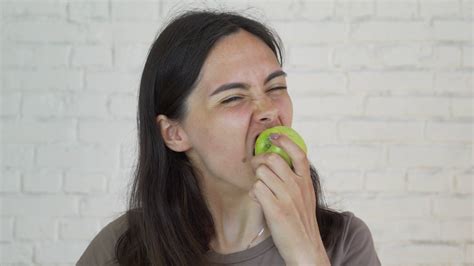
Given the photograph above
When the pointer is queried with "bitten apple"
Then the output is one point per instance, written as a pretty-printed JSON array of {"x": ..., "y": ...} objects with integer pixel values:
[{"x": 264, "y": 145}]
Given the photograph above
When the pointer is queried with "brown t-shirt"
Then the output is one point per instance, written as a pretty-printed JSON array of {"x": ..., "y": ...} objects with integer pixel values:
[{"x": 355, "y": 247}]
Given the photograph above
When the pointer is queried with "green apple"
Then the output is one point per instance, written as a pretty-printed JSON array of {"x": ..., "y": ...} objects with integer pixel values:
[{"x": 264, "y": 145}]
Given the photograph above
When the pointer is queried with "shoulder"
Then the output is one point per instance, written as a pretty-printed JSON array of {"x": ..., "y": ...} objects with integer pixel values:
[
  {"x": 101, "y": 250},
  {"x": 356, "y": 245},
  {"x": 354, "y": 226}
]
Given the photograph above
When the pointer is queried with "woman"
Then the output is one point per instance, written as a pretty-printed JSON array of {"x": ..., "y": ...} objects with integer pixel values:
[{"x": 212, "y": 82}]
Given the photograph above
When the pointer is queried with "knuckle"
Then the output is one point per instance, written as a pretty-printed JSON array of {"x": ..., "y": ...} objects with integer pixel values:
[
  {"x": 273, "y": 157},
  {"x": 260, "y": 170}
]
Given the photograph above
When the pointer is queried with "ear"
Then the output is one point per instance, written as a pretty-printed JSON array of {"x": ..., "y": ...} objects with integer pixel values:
[{"x": 173, "y": 134}]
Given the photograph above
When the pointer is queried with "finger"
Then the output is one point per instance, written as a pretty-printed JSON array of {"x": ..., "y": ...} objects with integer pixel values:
[
  {"x": 265, "y": 197},
  {"x": 275, "y": 162},
  {"x": 297, "y": 155},
  {"x": 273, "y": 182}
]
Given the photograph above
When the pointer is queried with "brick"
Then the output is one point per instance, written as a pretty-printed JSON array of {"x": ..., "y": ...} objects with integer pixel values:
[
  {"x": 390, "y": 208},
  {"x": 28, "y": 55},
  {"x": 463, "y": 183},
  {"x": 308, "y": 84},
  {"x": 439, "y": 9},
  {"x": 442, "y": 56},
  {"x": 141, "y": 10},
  {"x": 429, "y": 180},
  {"x": 396, "y": 82},
  {"x": 85, "y": 182},
  {"x": 354, "y": 56},
  {"x": 354, "y": 9},
  {"x": 100, "y": 206},
  {"x": 120, "y": 182},
  {"x": 59, "y": 252},
  {"x": 11, "y": 180},
  {"x": 96, "y": 56},
  {"x": 462, "y": 107},
  {"x": 434, "y": 57},
  {"x": 454, "y": 82},
  {"x": 317, "y": 132},
  {"x": 449, "y": 131},
  {"x": 429, "y": 155},
  {"x": 124, "y": 106},
  {"x": 398, "y": 55},
  {"x": 39, "y": 31},
  {"x": 459, "y": 230},
  {"x": 19, "y": 155},
  {"x": 469, "y": 253},
  {"x": 78, "y": 229},
  {"x": 132, "y": 32},
  {"x": 385, "y": 180},
  {"x": 43, "y": 80},
  {"x": 310, "y": 57},
  {"x": 343, "y": 181},
  {"x": 90, "y": 10},
  {"x": 407, "y": 9},
  {"x": 453, "y": 207},
  {"x": 350, "y": 156},
  {"x": 112, "y": 81},
  {"x": 83, "y": 105},
  {"x": 467, "y": 56},
  {"x": 130, "y": 56},
  {"x": 129, "y": 151},
  {"x": 10, "y": 103},
  {"x": 92, "y": 157},
  {"x": 35, "y": 228},
  {"x": 50, "y": 131},
  {"x": 468, "y": 9},
  {"x": 42, "y": 180},
  {"x": 317, "y": 10},
  {"x": 452, "y": 30},
  {"x": 315, "y": 32},
  {"x": 410, "y": 107},
  {"x": 381, "y": 131},
  {"x": 327, "y": 106},
  {"x": 18, "y": 253},
  {"x": 378, "y": 31},
  {"x": 110, "y": 132},
  {"x": 424, "y": 253},
  {"x": 415, "y": 229},
  {"x": 31, "y": 9},
  {"x": 6, "y": 229},
  {"x": 39, "y": 205}
]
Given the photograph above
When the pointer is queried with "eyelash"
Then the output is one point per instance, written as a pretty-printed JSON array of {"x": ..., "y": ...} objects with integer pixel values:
[{"x": 235, "y": 98}]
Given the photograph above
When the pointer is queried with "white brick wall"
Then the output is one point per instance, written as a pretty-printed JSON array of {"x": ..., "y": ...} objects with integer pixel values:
[{"x": 382, "y": 92}]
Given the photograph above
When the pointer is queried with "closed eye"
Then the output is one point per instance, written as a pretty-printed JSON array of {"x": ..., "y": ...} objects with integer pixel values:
[
  {"x": 278, "y": 88},
  {"x": 231, "y": 99}
]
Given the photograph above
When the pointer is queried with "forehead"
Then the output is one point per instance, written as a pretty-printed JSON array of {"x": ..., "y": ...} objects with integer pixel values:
[{"x": 238, "y": 57}]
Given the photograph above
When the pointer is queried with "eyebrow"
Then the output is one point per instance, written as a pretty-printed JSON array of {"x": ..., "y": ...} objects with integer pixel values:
[{"x": 241, "y": 85}]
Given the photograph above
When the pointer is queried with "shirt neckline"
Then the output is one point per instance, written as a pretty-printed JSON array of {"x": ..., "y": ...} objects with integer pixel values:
[{"x": 243, "y": 255}]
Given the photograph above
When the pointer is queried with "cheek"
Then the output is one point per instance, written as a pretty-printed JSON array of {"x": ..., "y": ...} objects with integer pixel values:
[
  {"x": 285, "y": 106},
  {"x": 224, "y": 130}
]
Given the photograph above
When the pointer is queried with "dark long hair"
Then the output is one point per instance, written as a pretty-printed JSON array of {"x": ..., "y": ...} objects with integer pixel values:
[{"x": 169, "y": 222}]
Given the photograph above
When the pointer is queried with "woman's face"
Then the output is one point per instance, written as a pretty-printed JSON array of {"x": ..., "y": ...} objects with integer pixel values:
[{"x": 240, "y": 92}]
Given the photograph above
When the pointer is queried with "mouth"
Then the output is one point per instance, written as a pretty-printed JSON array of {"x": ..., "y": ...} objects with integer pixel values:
[{"x": 253, "y": 144}]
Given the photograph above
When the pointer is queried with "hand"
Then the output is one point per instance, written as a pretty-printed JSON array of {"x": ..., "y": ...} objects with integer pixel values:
[{"x": 288, "y": 201}]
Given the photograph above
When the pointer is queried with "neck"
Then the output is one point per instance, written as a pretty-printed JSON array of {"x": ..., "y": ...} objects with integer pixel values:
[{"x": 237, "y": 218}]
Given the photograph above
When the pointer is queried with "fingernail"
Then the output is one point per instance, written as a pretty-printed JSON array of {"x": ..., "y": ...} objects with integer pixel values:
[{"x": 274, "y": 136}]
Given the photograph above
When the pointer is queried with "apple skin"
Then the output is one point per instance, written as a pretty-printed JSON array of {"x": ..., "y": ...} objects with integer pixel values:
[{"x": 264, "y": 145}]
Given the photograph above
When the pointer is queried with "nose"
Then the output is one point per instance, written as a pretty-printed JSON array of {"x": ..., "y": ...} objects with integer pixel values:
[{"x": 266, "y": 111}]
